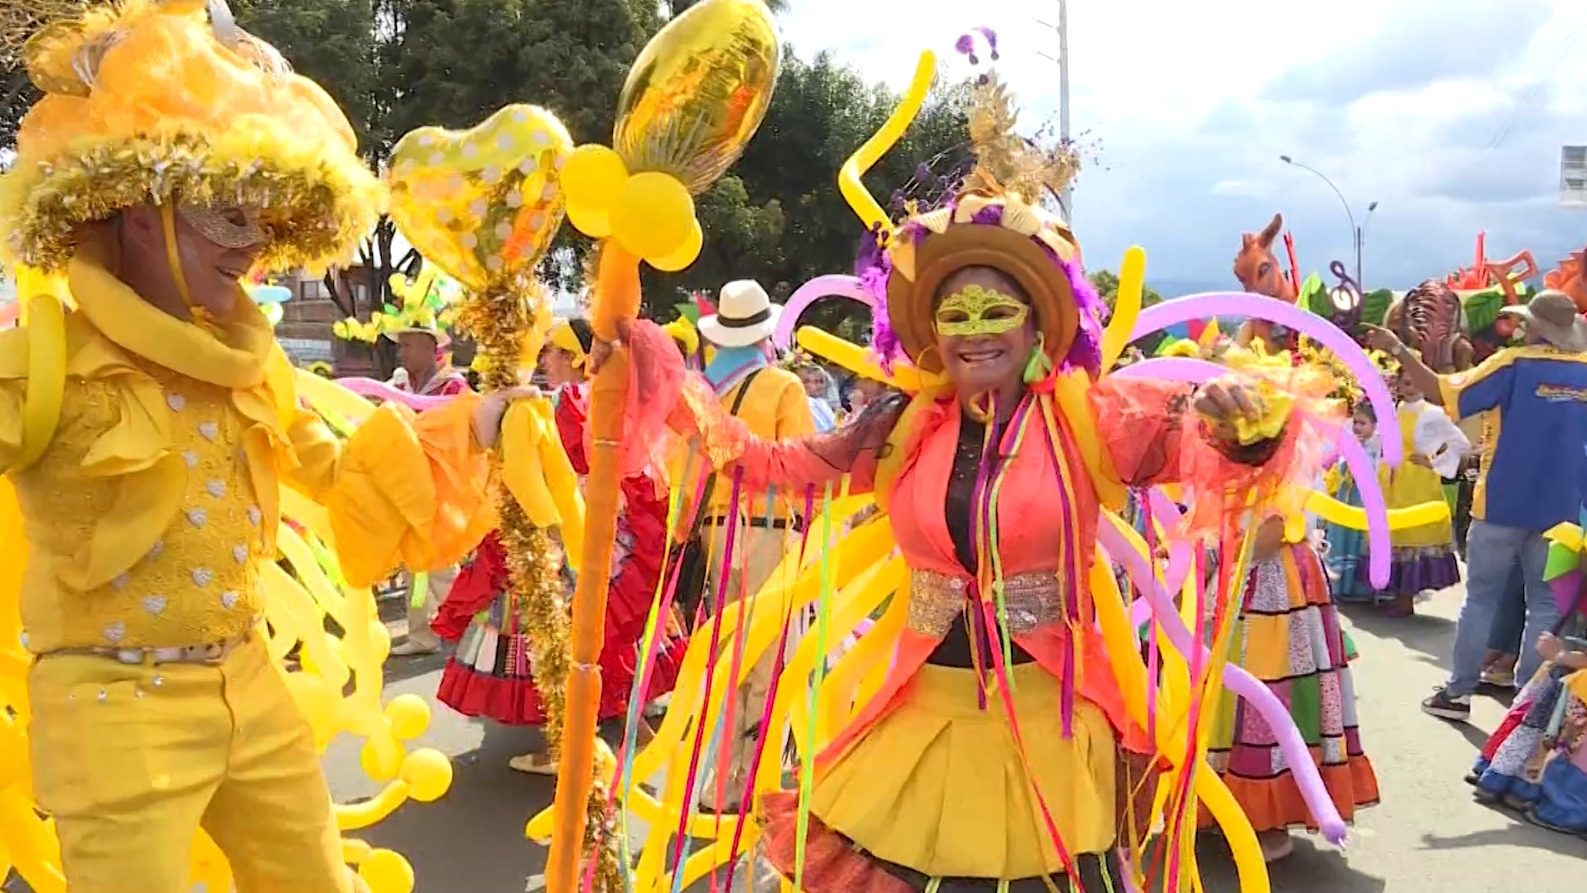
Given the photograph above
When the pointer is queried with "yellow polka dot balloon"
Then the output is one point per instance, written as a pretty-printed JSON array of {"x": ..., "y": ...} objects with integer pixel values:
[{"x": 484, "y": 203}]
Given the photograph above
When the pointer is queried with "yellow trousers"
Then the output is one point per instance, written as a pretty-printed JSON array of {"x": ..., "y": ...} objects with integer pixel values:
[{"x": 131, "y": 760}]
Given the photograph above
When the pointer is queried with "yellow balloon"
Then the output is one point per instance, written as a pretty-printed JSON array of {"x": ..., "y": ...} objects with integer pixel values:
[
  {"x": 1126, "y": 306},
  {"x": 684, "y": 256},
  {"x": 849, "y": 183},
  {"x": 381, "y": 758},
  {"x": 653, "y": 215},
  {"x": 315, "y": 701},
  {"x": 409, "y": 715},
  {"x": 484, "y": 203},
  {"x": 1330, "y": 509},
  {"x": 427, "y": 773},
  {"x": 856, "y": 359},
  {"x": 698, "y": 91},
  {"x": 386, "y": 872},
  {"x": 593, "y": 178},
  {"x": 593, "y": 222}
]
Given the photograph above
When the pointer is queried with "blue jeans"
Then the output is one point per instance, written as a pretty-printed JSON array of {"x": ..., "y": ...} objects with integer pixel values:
[
  {"x": 1510, "y": 622},
  {"x": 1492, "y": 551}
]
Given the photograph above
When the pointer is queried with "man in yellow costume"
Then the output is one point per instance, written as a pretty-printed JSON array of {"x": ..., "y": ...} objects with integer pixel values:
[
  {"x": 171, "y": 155},
  {"x": 772, "y": 403}
]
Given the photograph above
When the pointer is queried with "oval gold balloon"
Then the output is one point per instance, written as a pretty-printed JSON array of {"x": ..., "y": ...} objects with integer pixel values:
[
  {"x": 483, "y": 204},
  {"x": 698, "y": 91}
]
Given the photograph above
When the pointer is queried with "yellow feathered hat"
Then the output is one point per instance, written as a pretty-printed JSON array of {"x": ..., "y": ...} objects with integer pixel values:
[{"x": 170, "y": 101}]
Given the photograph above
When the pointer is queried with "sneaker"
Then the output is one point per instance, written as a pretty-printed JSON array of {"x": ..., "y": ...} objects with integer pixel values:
[
  {"x": 1456, "y": 708},
  {"x": 1498, "y": 678}
]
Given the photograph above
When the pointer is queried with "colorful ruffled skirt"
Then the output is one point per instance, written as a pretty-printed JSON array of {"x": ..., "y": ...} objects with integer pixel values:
[
  {"x": 1424, "y": 557},
  {"x": 1537, "y": 759},
  {"x": 489, "y": 675},
  {"x": 1347, "y": 552},
  {"x": 1288, "y": 636},
  {"x": 936, "y": 795}
]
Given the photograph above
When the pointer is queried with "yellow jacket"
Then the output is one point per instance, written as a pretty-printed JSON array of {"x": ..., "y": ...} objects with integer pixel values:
[
  {"x": 775, "y": 408},
  {"x": 152, "y": 513}
]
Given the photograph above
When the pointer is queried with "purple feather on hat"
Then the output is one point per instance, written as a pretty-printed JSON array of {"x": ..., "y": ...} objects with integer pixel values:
[{"x": 872, "y": 267}]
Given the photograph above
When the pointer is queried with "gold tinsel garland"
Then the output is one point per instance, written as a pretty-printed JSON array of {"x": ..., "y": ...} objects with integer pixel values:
[{"x": 501, "y": 320}]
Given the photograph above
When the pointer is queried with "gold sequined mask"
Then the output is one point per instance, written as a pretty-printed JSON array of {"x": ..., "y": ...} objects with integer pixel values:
[
  {"x": 232, "y": 228},
  {"x": 975, "y": 310}
]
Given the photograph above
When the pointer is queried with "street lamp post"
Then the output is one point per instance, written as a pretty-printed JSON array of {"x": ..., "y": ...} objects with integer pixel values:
[
  {"x": 1067, "y": 199},
  {"x": 1357, "y": 233}
]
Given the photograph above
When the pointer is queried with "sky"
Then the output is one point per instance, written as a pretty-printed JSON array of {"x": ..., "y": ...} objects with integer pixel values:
[{"x": 1448, "y": 113}]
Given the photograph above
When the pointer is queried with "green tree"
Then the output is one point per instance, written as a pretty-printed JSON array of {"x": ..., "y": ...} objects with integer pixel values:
[
  {"x": 676, "y": 8},
  {"x": 1106, "y": 282},
  {"x": 778, "y": 218}
]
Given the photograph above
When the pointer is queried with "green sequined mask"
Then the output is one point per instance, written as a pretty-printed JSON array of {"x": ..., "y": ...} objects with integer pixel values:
[{"x": 976, "y": 310}]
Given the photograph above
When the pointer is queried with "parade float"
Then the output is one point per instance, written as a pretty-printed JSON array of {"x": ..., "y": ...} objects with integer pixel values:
[{"x": 1454, "y": 320}]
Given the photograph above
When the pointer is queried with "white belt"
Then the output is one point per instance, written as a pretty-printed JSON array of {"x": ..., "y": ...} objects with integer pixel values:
[{"x": 210, "y": 653}]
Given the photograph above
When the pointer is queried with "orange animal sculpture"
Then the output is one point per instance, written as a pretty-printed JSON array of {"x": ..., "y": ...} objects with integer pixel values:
[
  {"x": 1485, "y": 274},
  {"x": 1570, "y": 277},
  {"x": 1259, "y": 272}
]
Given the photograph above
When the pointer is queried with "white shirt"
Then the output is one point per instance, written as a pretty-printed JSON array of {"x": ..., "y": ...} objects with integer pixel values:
[{"x": 1437, "y": 438}]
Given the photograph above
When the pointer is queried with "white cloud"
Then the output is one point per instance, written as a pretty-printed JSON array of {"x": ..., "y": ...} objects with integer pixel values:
[{"x": 1449, "y": 113}]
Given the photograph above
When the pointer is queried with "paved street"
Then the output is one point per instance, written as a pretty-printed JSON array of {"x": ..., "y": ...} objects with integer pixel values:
[{"x": 1428, "y": 836}]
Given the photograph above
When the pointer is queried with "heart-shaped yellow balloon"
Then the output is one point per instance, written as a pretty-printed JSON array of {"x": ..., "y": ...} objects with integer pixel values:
[{"x": 482, "y": 204}]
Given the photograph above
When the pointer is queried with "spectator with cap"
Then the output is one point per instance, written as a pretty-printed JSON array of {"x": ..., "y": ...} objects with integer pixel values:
[
  {"x": 772, "y": 402},
  {"x": 1534, "y": 467}
]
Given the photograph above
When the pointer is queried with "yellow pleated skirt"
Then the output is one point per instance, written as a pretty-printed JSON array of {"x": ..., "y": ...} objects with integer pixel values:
[{"x": 938, "y": 784}]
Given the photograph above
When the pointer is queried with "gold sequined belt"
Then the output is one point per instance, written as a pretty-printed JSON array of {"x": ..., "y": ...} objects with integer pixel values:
[{"x": 1033, "y": 600}]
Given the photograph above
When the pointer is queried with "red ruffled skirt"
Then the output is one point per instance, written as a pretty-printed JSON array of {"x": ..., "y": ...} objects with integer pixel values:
[{"x": 489, "y": 675}]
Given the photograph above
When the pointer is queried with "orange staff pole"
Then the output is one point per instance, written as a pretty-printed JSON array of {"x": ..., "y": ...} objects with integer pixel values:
[{"x": 616, "y": 300}]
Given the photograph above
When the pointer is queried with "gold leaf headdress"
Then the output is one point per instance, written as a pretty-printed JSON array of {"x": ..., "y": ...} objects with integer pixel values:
[{"x": 1005, "y": 161}]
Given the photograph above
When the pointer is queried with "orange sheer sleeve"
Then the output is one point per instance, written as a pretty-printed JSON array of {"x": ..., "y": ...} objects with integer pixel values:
[
  {"x": 1152, "y": 436},
  {"x": 675, "y": 404}
]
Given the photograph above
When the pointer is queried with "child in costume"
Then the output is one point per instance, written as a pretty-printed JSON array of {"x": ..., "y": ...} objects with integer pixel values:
[
  {"x": 987, "y": 489},
  {"x": 171, "y": 154},
  {"x": 1536, "y": 761},
  {"x": 1346, "y": 546},
  {"x": 1289, "y": 637},
  {"x": 489, "y": 675},
  {"x": 1424, "y": 557}
]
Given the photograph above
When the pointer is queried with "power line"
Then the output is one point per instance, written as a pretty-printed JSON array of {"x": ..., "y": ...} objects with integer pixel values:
[{"x": 1515, "y": 114}]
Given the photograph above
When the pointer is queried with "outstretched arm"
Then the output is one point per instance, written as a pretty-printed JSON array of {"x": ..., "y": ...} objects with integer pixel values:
[{"x": 668, "y": 402}]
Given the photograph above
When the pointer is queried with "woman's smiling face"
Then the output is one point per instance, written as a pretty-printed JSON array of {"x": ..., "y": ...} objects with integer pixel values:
[{"x": 985, "y": 330}]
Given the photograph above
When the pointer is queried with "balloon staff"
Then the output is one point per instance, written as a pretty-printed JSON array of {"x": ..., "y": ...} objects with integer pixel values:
[
  {"x": 692, "y": 100},
  {"x": 484, "y": 205}
]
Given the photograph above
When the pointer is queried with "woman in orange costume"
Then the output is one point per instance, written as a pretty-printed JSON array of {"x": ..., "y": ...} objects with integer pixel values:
[
  {"x": 489, "y": 675},
  {"x": 997, "y": 755}
]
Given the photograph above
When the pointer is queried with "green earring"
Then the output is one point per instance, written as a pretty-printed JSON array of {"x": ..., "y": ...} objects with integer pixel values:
[{"x": 1038, "y": 366}]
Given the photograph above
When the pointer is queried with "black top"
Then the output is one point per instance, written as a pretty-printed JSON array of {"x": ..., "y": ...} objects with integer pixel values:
[{"x": 955, "y": 650}]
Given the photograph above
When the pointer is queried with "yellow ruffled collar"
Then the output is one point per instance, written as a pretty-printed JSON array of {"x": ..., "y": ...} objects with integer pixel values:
[{"x": 235, "y": 357}]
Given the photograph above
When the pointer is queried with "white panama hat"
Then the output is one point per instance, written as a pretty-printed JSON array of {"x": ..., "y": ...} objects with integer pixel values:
[{"x": 744, "y": 316}]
